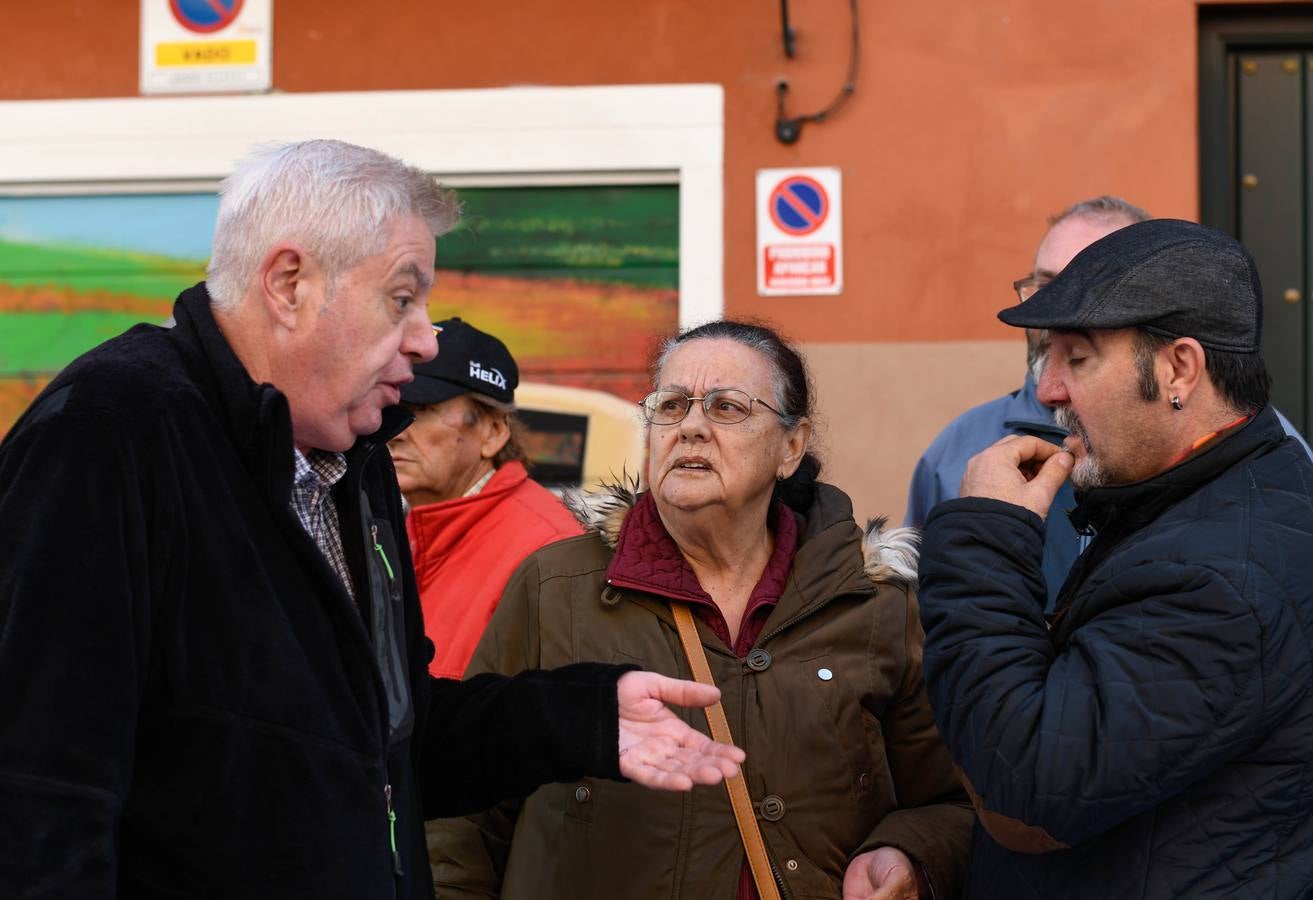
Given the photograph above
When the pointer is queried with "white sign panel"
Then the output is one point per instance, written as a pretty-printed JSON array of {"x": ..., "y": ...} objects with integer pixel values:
[
  {"x": 799, "y": 232},
  {"x": 205, "y": 46}
]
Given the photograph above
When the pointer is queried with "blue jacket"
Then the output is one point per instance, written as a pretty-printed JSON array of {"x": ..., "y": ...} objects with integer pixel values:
[
  {"x": 1156, "y": 740},
  {"x": 938, "y": 473}
]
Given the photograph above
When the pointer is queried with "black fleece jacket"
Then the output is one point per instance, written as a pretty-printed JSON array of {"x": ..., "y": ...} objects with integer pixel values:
[{"x": 190, "y": 703}]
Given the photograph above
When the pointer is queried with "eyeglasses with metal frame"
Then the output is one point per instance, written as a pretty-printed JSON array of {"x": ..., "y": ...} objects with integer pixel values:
[{"x": 726, "y": 406}]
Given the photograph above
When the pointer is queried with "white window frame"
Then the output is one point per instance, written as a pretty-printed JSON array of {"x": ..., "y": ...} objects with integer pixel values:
[{"x": 640, "y": 134}]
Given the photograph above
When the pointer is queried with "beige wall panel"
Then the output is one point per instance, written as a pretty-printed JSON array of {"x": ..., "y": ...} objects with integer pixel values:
[{"x": 881, "y": 404}]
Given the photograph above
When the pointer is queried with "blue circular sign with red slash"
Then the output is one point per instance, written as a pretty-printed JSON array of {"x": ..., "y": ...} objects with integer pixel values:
[
  {"x": 205, "y": 16},
  {"x": 799, "y": 205}
]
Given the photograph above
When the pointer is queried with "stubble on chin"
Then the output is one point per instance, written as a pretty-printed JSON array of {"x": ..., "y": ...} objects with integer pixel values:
[{"x": 1087, "y": 473}]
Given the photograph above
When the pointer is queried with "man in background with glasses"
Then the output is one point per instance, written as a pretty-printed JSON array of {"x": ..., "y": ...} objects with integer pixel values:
[{"x": 938, "y": 472}]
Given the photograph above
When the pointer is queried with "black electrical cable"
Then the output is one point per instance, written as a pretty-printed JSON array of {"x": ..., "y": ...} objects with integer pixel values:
[
  {"x": 787, "y": 29},
  {"x": 787, "y": 129}
]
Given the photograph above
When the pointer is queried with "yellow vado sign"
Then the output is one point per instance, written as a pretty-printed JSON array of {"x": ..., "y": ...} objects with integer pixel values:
[{"x": 217, "y": 53}]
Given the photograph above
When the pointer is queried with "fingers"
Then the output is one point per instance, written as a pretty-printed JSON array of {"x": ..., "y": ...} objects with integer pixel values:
[
  {"x": 893, "y": 893},
  {"x": 728, "y": 753},
  {"x": 659, "y": 750},
  {"x": 889, "y": 873},
  {"x": 1057, "y": 466},
  {"x": 654, "y": 768},
  {"x": 1010, "y": 470},
  {"x": 653, "y": 777},
  {"x": 1018, "y": 449},
  {"x": 898, "y": 886},
  {"x": 673, "y": 756},
  {"x": 634, "y": 687},
  {"x": 683, "y": 693},
  {"x": 713, "y": 771}
]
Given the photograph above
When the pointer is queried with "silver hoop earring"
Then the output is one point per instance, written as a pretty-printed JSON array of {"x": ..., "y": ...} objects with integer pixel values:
[{"x": 1176, "y": 404}]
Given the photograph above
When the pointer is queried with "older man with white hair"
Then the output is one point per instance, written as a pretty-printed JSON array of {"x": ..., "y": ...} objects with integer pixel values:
[{"x": 210, "y": 640}]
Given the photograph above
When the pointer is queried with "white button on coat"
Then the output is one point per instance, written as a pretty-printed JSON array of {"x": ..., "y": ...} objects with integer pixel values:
[{"x": 824, "y": 674}]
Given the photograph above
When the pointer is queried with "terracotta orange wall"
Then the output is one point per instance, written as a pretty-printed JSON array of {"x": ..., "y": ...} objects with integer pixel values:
[{"x": 971, "y": 122}]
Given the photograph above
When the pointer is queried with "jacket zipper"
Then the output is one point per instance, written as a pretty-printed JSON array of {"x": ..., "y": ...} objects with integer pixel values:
[
  {"x": 392, "y": 830},
  {"x": 387, "y": 787},
  {"x": 382, "y": 554}
]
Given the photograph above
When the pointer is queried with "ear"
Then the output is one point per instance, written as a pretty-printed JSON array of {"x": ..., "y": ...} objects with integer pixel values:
[
  {"x": 496, "y": 432},
  {"x": 795, "y": 445},
  {"x": 1186, "y": 358},
  {"x": 285, "y": 278}
]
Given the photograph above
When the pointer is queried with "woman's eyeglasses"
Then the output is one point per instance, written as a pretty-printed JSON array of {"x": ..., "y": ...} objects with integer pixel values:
[{"x": 726, "y": 406}]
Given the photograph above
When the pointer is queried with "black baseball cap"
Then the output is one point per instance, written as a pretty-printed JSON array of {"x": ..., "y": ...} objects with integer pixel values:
[
  {"x": 469, "y": 361},
  {"x": 1167, "y": 276}
]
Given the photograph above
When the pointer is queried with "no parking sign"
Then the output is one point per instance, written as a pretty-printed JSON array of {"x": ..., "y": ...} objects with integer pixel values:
[
  {"x": 799, "y": 232},
  {"x": 205, "y": 46}
]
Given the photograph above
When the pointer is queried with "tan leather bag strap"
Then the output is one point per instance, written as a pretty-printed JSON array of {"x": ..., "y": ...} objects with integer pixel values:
[{"x": 758, "y": 861}]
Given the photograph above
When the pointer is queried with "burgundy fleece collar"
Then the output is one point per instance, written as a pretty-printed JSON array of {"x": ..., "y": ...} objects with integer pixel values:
[{"x": 647, "y": 559}]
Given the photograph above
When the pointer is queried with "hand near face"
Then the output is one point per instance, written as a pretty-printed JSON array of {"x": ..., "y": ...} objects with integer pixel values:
[
  {"x": 884, "y": 874},
  {"x": 658, "y": 749},
  {"x": 1023, "y": 470}
]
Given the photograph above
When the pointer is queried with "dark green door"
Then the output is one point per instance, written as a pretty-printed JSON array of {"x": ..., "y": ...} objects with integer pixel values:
[{"x": 1256, "y": 135}]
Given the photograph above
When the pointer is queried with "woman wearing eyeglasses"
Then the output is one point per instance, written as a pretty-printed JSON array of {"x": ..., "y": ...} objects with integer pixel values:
[{"x": 808, "y": 626}]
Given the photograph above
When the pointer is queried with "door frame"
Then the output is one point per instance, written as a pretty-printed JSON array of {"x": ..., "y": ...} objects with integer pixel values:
[{"x": 1223, "y": 29}]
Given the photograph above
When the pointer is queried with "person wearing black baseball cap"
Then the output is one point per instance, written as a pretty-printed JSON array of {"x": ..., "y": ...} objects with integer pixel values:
[
  {"x": 474, "y": 512},
  {"x": 1152, "y": 738},
  {"x": 463, "y": 400}
]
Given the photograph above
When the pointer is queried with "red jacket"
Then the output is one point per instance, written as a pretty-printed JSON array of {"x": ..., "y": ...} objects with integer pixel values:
[{"x": 465, "y": 551}]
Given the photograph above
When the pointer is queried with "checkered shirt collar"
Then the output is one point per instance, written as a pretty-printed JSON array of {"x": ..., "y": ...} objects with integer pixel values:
[{"x": 313, "y": 477}]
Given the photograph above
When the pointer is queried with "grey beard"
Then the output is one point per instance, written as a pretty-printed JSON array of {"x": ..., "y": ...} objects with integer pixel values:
[{"x": 1088, "y": 473}]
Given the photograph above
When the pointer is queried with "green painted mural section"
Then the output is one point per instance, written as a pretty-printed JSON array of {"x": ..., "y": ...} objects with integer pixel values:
[
  {"x": 43, "y": 342},
  {"x": 611, "y": 234},
  {"x": 110, "y": 271}
]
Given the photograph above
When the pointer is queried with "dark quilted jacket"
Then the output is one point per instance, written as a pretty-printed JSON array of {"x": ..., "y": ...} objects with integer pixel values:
[{"x": 1158, "y": 741}]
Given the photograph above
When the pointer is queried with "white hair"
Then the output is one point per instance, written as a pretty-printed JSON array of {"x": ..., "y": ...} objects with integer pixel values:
[{"x": 335, "y": 199}]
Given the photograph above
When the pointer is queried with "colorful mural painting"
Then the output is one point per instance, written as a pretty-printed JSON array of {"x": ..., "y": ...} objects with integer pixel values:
[{"x": 579, "y": 281}]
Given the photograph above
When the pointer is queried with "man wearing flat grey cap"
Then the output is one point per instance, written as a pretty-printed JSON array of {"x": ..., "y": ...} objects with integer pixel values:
[{"x": 1154, "y": 738}]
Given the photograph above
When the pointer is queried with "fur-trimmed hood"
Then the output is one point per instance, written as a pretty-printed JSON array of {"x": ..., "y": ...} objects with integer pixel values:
[{"x": 889, "y": 556}]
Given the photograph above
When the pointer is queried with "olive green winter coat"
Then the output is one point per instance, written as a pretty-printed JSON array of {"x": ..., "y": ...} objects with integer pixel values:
[{"x": 842, "y": 753}]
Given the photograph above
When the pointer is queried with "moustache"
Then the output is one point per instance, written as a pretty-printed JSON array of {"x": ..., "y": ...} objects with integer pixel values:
[{"x": 1067, "y": 418}]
